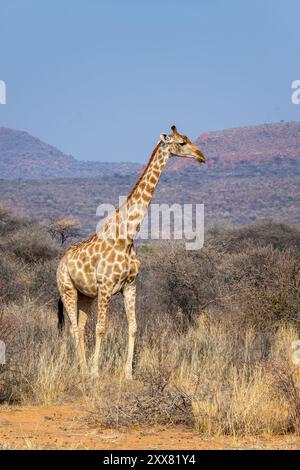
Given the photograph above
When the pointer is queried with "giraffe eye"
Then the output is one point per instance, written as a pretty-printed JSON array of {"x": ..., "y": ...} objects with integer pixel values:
[{"x": 182, "y": 143}]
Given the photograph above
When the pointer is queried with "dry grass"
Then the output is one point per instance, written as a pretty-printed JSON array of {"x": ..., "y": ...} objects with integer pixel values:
[
  {"x": 212, "y": 376},
  {"x": 40, "y": 367},
  {"x": 217, "y": 355}
]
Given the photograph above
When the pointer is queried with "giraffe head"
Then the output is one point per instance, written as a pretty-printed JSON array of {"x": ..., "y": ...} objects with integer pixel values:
[{"x": 181, "y": 146}]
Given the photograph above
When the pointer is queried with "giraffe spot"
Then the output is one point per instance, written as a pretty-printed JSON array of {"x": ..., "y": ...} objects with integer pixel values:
[
  {"x": 149, "y": 190},
  {"x": 115, "y": 278},
  {"x": 118, "y": 268},
  {"x": 94, "y": 259},
  {"x": 146, "y": 198},
  {"x": 103, "y": 245},
  {"x": 80, "y": 277},
  {"x": 121, "y": 245},
  {"x": 87, "y": 267},
  {"x": 111, "y": 257}
]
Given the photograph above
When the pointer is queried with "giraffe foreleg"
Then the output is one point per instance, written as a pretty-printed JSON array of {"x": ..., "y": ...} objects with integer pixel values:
[
  {"x": 129, "y": 294},
  {"x": 103, "y": 299},
  {"x": 84, "y": 309}
]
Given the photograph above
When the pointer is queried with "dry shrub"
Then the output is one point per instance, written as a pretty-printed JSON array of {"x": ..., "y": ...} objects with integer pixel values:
[
  {"x": 242, "y": 404},
  {"x": 183, "y": 280},
  {"x": 148, "y": 403},
  {"x": 64, "y": 229},
  {"x": 40, "y": 367},
  {"x": 11, "y": 285},
  {"x": 226, "y": 371},
  {"x": 251, "y": 278},
  {"x": 286, "y": 374},
  {"x": 32, "y": 244},
  {"x": 26, "y": 248},
  {"x": 237, "y": 394},
  {"x": 213, "y": 376},
  {"x": 257, "y": 286},
  {"x": 8, "y": 221},
  {"x": 153, "y": 397},
  {"x": 261, "y": 233},
  {"x": 287, "y": 383}
]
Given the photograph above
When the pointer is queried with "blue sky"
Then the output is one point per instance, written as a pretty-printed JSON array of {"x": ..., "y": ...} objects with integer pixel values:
[{"x": 102, "y": 79}]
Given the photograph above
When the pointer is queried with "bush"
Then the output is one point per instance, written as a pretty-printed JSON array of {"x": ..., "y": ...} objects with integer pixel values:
[
  {"x": 257, "y": 286},
  {"x": 279, "y": 235},
  {"x": 213, "y": 376},
  {"x": 215, "y": 329},
  {"x": 183, "y": 281},
  {"x": 28, "y": 261},
  {"x": 33, "y": 244},
  {"x": 40, "y": 367}
]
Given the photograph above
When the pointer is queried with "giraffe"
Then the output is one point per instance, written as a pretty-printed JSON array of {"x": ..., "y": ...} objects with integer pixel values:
[{"x": 106, "y": 263}]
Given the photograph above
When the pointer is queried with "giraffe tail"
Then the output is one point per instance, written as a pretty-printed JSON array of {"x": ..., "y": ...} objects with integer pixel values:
[{"x": 60, "y": 315}]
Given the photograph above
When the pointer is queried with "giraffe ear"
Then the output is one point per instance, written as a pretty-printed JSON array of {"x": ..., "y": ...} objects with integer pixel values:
[{"x": 165, "y": 138}]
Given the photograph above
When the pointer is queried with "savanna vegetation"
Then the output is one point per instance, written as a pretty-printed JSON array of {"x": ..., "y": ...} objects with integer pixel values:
[{"x": 215, "y": 336}]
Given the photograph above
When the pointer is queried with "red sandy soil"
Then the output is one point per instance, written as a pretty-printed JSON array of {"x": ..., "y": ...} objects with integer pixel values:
[{"x": 66, "y": 427}]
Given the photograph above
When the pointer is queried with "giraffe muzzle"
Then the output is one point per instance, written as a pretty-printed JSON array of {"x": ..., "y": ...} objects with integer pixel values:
[{"x": 200, "y": 157}]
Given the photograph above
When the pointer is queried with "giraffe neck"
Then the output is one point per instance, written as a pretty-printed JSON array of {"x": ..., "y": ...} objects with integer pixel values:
[
  {"x": 126, "y": 220},
  {"x": 133, "y": 210}
]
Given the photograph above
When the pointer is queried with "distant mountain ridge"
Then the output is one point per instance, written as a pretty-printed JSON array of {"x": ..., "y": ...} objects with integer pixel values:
[
  {"x": 244, "y": 149},
  {"x": 252, "y": 146},
  {"x": 27, "y": 157},
  {"x": 251, "y": 173}
]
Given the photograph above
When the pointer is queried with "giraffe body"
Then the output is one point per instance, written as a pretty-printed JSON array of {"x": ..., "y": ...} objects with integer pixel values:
[
  {"x": 106, "y": 263},
  {"x": 94, "y": 261}
]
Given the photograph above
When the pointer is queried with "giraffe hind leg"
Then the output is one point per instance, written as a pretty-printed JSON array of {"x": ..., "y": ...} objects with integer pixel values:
[{"x": 69, "y": 297}]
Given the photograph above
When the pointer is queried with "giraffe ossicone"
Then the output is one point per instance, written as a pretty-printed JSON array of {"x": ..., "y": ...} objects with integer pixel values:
[{"x": 106, "y": 263}]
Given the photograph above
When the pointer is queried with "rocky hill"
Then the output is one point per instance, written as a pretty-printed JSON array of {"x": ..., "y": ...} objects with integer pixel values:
[
  {"x": 26, "y": 157},
  {"x": 252, "y": 148},
  {"x": 251, "y": 173}
]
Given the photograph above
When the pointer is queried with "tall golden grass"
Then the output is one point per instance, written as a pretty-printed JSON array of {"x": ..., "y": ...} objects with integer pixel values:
[
  {"x": 215, "y": 333},
  {"x": 215, "y": 376}
]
